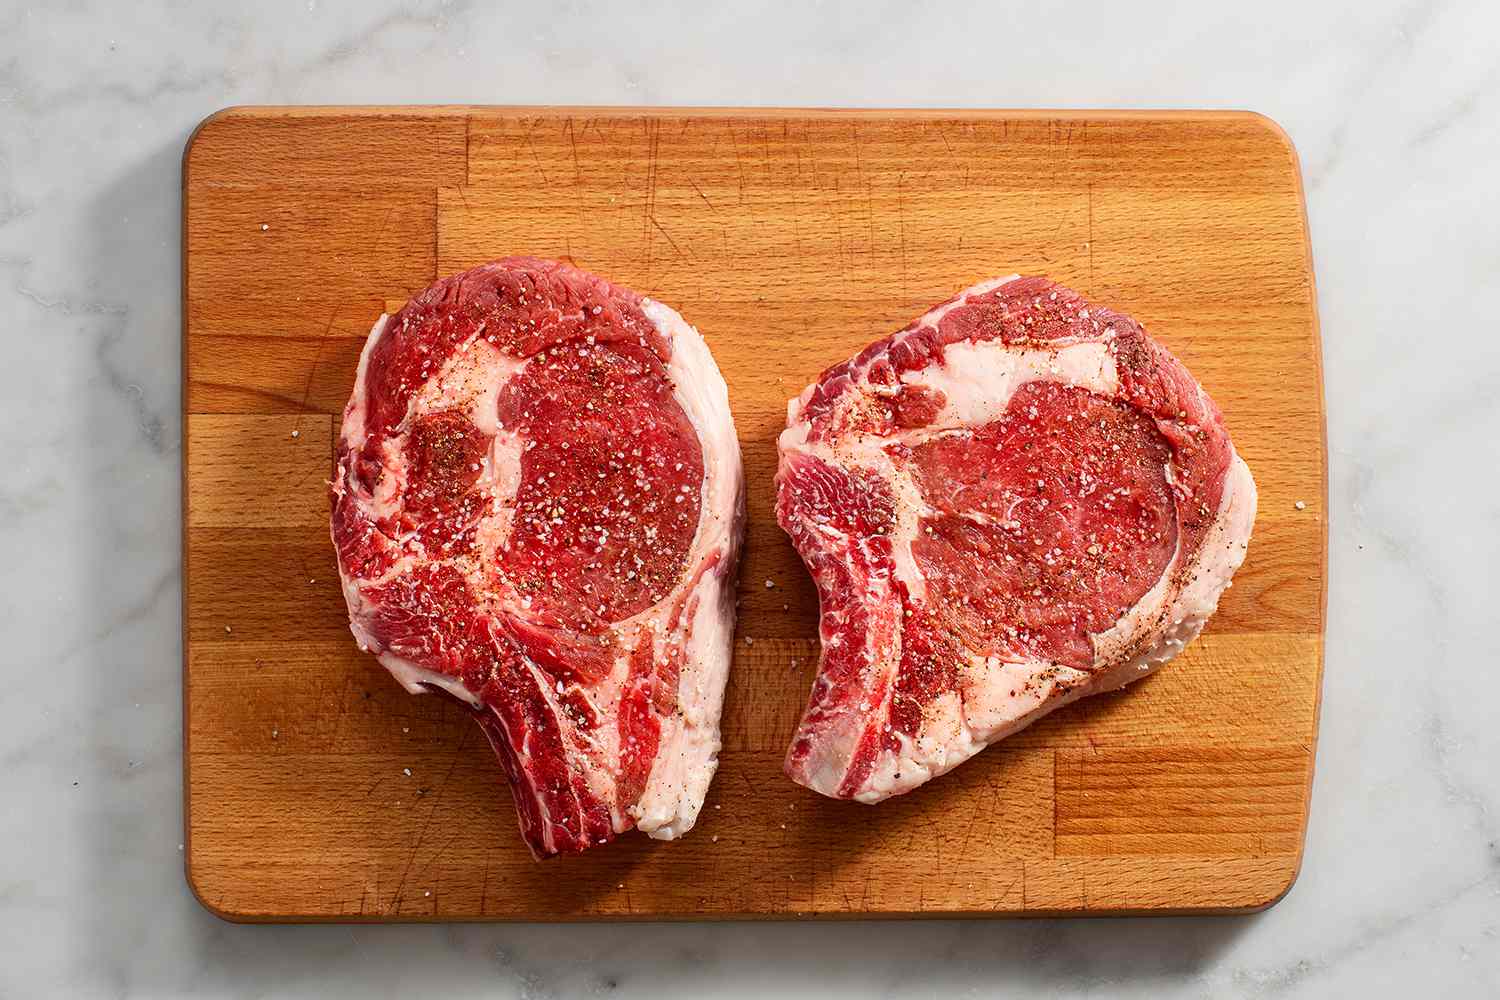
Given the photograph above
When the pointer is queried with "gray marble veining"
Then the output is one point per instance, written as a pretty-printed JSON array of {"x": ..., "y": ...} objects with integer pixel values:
[{"x": 1395, "y": 108}]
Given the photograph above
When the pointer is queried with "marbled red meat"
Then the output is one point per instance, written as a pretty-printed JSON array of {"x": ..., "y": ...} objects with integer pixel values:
[
  {"x": 1018, "y": 500},
  {"x": 537, "y": 509}
]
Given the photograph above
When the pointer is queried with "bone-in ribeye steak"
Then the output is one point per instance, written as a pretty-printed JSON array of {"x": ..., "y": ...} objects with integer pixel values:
[
  {"x": 1018, "y": 500},
  {"x": 537, "y": 509}
]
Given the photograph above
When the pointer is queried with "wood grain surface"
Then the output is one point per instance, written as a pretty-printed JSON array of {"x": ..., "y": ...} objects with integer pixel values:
[{"x": 790, "y": 239}]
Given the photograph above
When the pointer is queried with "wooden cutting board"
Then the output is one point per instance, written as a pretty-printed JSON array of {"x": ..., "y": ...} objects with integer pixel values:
[{"x": 790, "y": 239}]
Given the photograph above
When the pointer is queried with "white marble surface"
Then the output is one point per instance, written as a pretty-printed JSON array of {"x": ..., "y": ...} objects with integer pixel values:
[{"x": 1396, "y": 110}]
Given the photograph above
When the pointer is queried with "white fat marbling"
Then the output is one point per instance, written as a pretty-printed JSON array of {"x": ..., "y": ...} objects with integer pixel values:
[
  {"x": 978, "y": 378},
  {"x": 688, "y": 753},
  {"x": 1395, "y": 108}
]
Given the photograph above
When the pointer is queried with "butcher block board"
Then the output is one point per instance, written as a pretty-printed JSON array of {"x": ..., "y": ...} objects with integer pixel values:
[{"x": 790, "y": 239}]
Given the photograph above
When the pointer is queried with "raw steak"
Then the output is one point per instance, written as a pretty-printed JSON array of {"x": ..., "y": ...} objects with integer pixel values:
[
  {"x": 1018, "y": 500},
  {"x": 537, "y": 508}
]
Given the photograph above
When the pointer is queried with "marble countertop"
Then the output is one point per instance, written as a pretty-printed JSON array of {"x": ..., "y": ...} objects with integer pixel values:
[{"x": 1395, "y": 108}]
